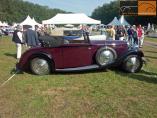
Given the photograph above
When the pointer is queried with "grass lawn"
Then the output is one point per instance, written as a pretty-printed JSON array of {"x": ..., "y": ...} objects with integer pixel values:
[
  {"x": 151, "y": 39},
  {"x": 93, "y": 94}
]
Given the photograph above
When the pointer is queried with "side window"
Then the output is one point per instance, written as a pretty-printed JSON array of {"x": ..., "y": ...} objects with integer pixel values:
[{"x": 73, "y": 33}]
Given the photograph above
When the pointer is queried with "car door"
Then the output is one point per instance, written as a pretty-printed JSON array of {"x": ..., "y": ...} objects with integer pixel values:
[{"x": 76, "y": 55}]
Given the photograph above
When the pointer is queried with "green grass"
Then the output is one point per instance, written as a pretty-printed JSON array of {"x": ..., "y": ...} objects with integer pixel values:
[
  {"x": 151, "y": 39},
  {"x": 93, "y": 94}
]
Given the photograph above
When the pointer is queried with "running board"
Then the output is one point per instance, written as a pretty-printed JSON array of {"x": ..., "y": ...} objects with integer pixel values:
[{"x": 79, "y": 68}]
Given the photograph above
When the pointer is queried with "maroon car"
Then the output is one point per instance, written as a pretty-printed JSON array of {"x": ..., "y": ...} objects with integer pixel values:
[{"x": 81, "y": 53}]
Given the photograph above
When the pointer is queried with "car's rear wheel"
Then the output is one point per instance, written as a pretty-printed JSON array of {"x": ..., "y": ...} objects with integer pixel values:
[
  {"x": 105, "y": 56},
  {"x": 132, "y": 64},
  {"x": 40, "y": 66}
]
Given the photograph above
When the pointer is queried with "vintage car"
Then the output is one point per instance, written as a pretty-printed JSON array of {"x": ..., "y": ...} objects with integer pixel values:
[
  {"x": 59, "y": 54},
  {"x": 8, "y": 31}
]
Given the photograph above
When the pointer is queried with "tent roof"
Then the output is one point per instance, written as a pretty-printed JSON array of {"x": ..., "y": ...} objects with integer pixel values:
[
  {"x": 1, "y": 24},
  {"x": 123, "y": 21},
  {"x": 115, "y": 21},
  {"x": 5, "y": 24},
  {"x": 35, "y": 22},
  {"x": 77, "y": 18},
  {"x": 29, "y": 21}
]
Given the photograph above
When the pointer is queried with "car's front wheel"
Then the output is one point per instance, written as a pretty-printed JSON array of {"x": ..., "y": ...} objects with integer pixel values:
[
  {"x": 105, "y": 56},
  {"x": 40, "y": 66},
  {"x": 132, "y": 64}
]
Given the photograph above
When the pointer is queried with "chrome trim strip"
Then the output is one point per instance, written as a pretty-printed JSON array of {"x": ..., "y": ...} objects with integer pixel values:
[{"x": 79, "y": 68}]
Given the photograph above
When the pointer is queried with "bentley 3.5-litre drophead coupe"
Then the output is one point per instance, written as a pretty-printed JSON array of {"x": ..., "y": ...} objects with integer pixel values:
[{"x": 57, "y": 53}]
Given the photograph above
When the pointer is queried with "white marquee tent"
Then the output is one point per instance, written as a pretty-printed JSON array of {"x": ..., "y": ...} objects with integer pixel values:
[
  {"x": 35, "y": 22},
  {"x": 76, "y": 18},
  {"x": 123, "y": 21},
  {"x": 3, "y": 24},
  {"x": 29, "y": 21}
]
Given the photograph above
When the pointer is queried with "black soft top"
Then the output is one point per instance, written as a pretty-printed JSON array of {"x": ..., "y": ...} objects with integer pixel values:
[{"x": 51, "y": 41}]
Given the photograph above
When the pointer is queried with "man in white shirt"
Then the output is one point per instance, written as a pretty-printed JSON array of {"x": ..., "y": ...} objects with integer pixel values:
[{"x": 18, "y": 39}]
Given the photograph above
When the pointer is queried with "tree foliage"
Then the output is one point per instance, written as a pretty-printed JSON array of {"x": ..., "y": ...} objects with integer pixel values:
[
  {"x": 17, "y": 10},
  {"x": 107, "y": 12}
]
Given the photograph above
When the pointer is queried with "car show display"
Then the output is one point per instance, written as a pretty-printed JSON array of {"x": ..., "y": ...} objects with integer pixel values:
[{"x": 60, "y": 54}]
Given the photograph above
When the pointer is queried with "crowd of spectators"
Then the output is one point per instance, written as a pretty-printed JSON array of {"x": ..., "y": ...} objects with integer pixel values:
[{"x": 133, "y": 34}]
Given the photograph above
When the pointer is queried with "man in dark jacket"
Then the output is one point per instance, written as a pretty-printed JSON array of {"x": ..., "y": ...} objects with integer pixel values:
[
  {"x": 31, "y": 38},
  {"x": 130, "y": 32}
]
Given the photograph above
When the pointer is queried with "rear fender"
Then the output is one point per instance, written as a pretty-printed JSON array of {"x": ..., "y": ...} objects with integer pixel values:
[
  {"x": 48, "y": 57},
  {"x": 41, "y": 54}
]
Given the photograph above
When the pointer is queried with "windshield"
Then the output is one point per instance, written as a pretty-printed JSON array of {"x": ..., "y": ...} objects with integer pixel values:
[{"x": 73, "y": 33}]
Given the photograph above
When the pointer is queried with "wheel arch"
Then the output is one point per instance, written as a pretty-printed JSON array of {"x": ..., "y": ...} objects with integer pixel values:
[
  {"x": 44, "y": 55},
  {"x": 132, "y": 52}
]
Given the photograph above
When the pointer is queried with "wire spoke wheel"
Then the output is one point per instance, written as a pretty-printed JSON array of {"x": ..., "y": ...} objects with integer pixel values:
[
  {"x": 40, "y": 66},
  {"x": 132, "y": 64},
  {"x": 105, "y": 56}
]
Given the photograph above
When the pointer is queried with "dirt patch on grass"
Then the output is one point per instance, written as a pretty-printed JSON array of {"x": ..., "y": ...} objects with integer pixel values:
[
  {"x": 58, "y": 90},
  {"x": 6, "y": 108},
  {"x": 63, "y": 106}
]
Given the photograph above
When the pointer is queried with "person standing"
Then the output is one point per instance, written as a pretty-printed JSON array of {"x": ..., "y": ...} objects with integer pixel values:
[
  {"x": 31, "y": 38},
  {"x": 121, "y": 33},
  {"x": 130, "y": 35},
  {"x": 135, "y": 35},
  {"x": 140, "y": 34},
  {"x": 18, "y": 40},
  {"x": 1, "y": 32},
  {"x": 142, "y": 38},
  {"x": 111, "y": 33}
]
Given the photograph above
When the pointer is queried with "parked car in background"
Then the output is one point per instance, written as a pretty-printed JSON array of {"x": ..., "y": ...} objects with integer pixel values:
[
  {"x": 71, "y": 33},
  {"x": 8, "y": 31},
  {"x": 59, "y": 54}
]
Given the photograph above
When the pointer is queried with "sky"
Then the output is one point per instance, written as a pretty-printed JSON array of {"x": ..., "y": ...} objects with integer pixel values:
[{"x": 76, "y": 6}]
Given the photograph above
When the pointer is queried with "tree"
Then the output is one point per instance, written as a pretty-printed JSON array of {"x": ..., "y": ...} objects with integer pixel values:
[
  {"x": 17, "y": 10},
  {"x": 107, "y": 12}
]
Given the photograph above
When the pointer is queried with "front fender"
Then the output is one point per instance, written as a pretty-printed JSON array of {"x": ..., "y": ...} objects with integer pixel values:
[{"x": 130, "y": 52}]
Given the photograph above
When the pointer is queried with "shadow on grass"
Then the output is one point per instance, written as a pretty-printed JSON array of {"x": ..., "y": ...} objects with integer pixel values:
[
  {"x": 10, "y": 55},
  {"x": 150, "y": 51},
  {"x": 73, "y": 72},
  {"x": 151, "y": 57},
  {"x": 143, "y": 75},
  {"x": 15, "y": 70},
  {"x": 80, "y": 72}
]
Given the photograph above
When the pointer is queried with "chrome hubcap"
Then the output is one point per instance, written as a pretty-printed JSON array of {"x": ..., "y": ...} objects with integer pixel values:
[
  {"x": 40, "y": 66},
  {"x": 132, "y": 64},
  {"x": 106, "y": 57}
]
